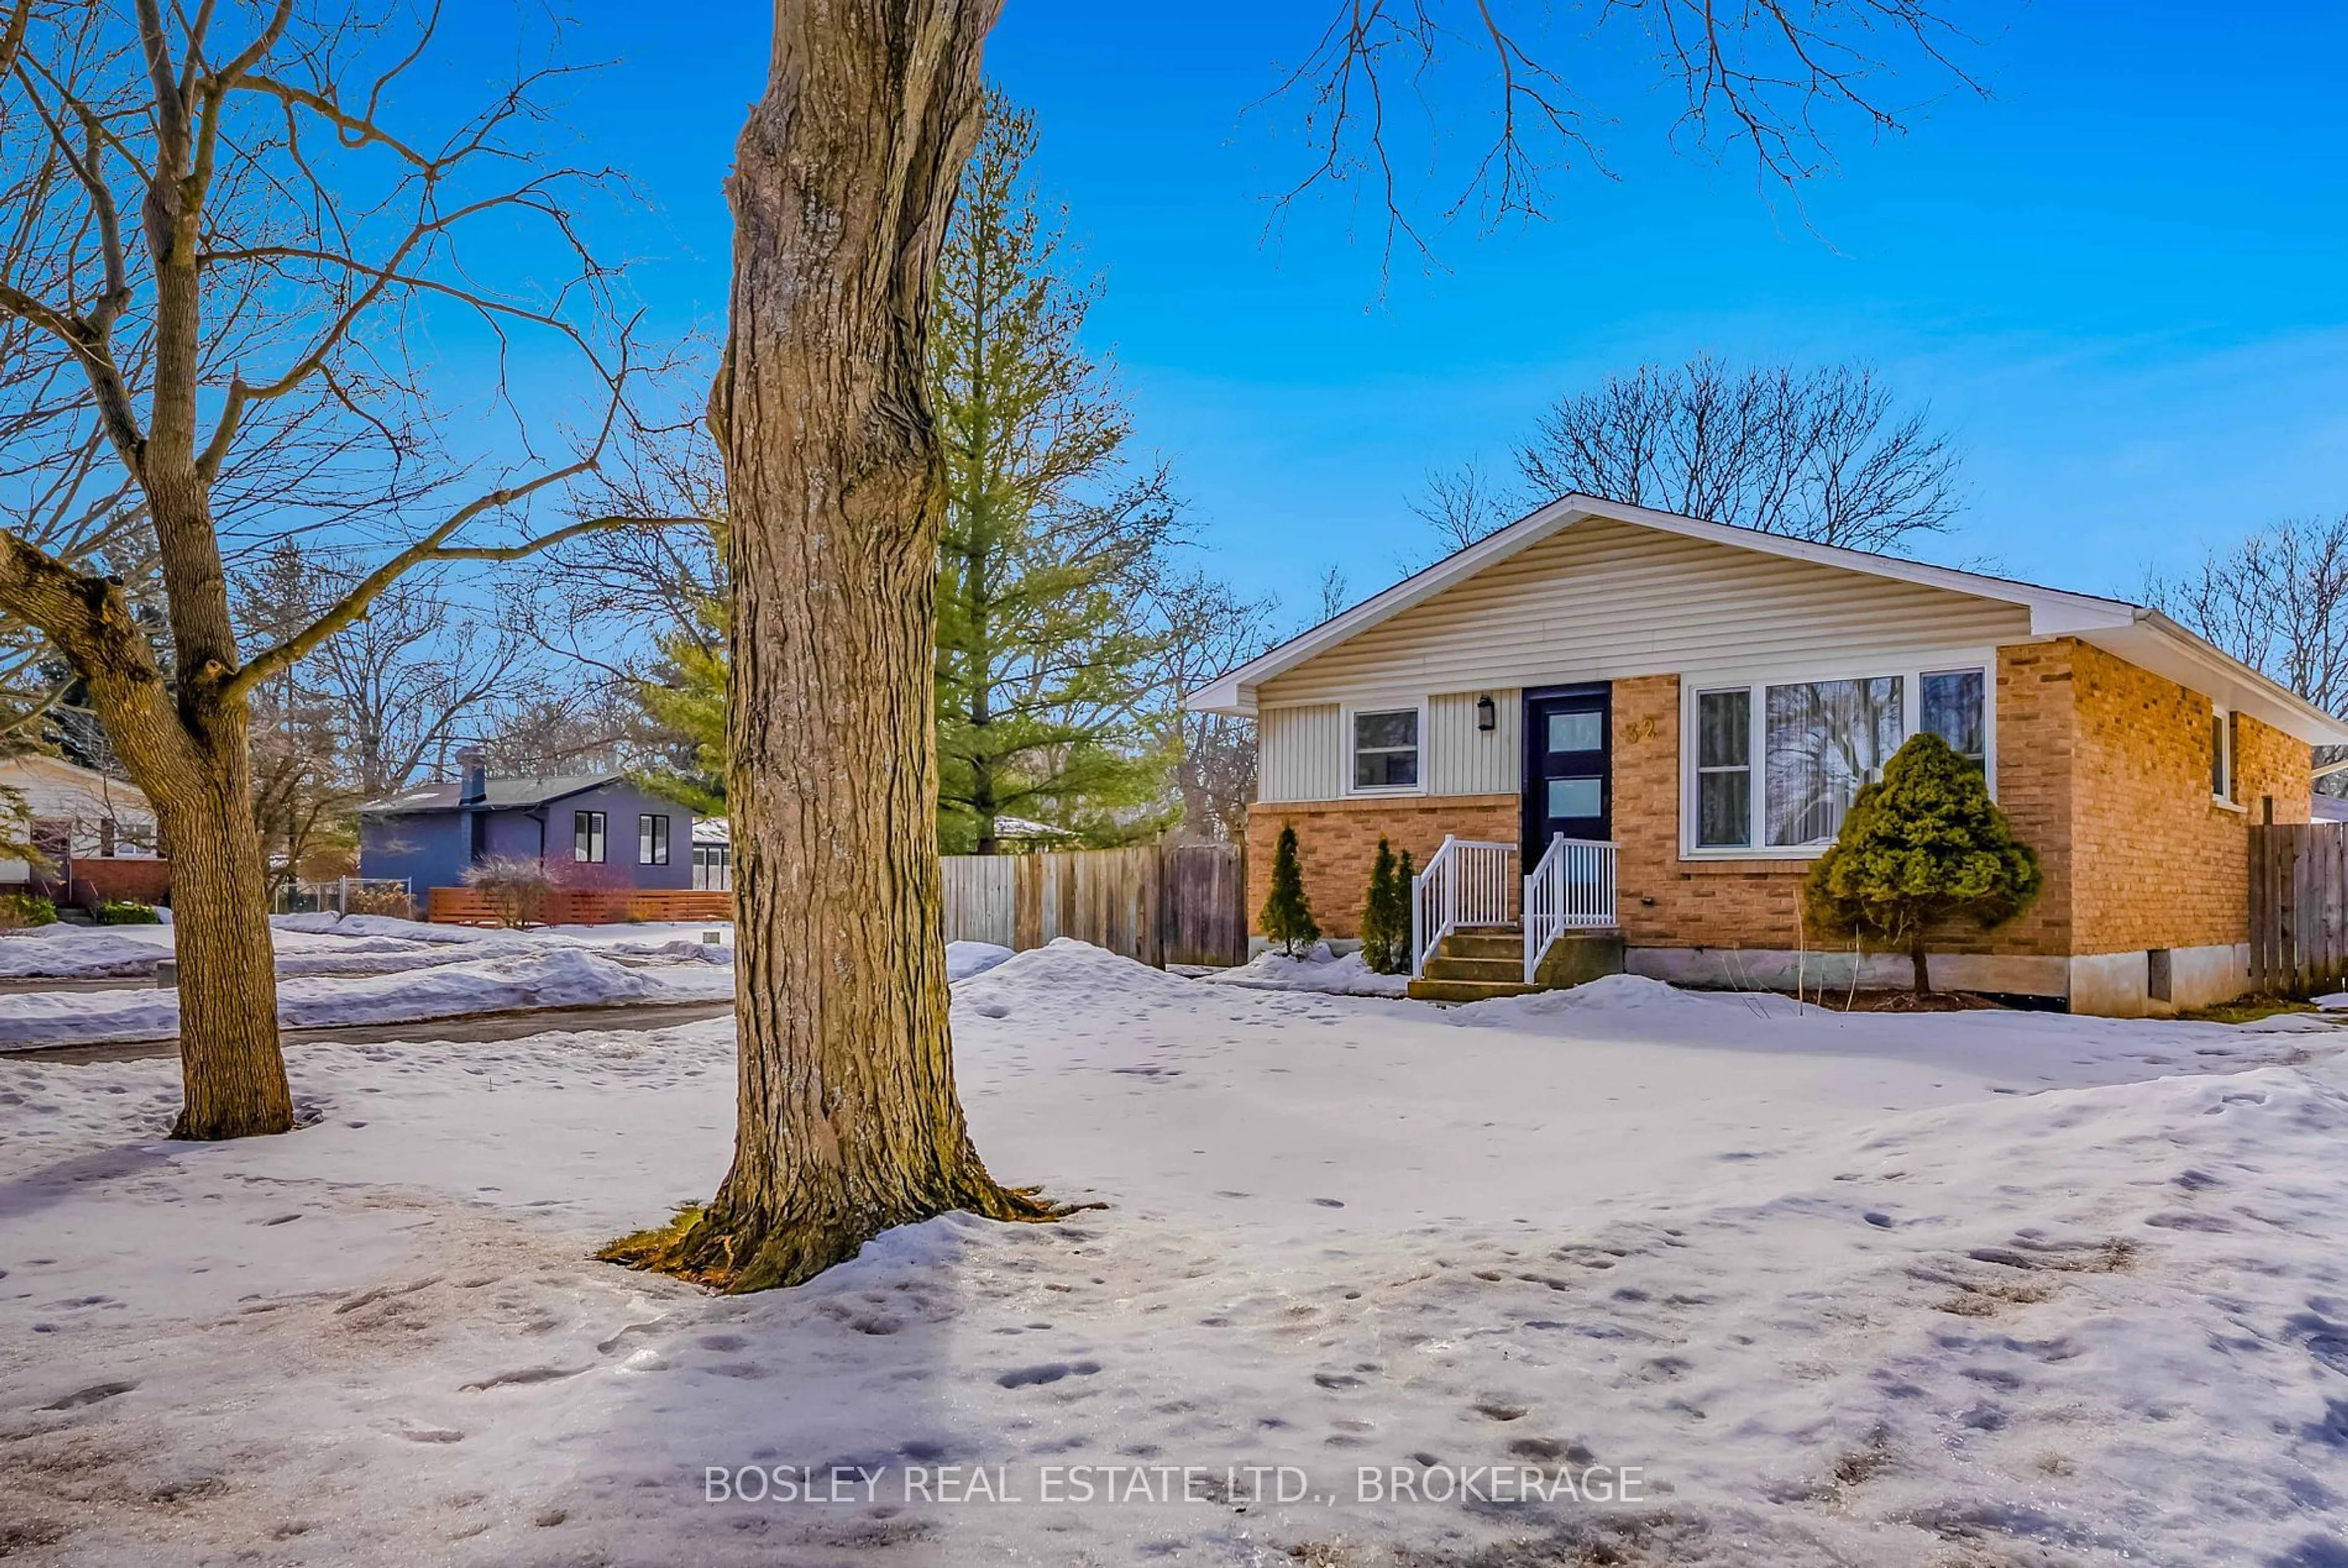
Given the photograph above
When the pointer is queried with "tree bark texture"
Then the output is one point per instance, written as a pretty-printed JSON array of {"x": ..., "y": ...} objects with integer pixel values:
[{"x": 845, "y": 175}]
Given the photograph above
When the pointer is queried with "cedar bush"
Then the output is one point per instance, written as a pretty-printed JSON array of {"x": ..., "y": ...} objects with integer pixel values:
[
  {"x": 1385, "y": 915},
  {"x": 1924, "y": 843},
  {"x": 1287, "y": 914},
  {"x": 22, "y": 909},
  {"x": 127, "y": 912}
]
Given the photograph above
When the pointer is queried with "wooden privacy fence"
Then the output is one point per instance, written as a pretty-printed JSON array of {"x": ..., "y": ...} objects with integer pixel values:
[
  {"x": 1181, "y": 904},
  {"x": 583, "y": 907},
  {"x": 2298, "y": 907}
]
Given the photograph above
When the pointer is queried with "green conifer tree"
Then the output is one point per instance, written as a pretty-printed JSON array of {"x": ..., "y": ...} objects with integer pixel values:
[
  {"x": 1055, "y": 542},
  {"x": 1287, "y": 914},
  {"x": 1382, "y": 943},
  {"x": 1926, "y": 843}
]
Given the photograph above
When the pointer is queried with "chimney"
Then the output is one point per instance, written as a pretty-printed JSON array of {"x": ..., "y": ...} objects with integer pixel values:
[{"x": 473, "y": 779}]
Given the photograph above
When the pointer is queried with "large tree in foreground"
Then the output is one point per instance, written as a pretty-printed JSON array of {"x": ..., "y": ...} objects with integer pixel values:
[
  {"x": 849, "y": 1120},
  {"x": 217, "y": 245}
]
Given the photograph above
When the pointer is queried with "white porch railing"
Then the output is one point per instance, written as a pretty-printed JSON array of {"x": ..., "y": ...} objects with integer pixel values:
[
  {"x": 1464, "y": 882},
  {"x": 1573, "y": 888}
]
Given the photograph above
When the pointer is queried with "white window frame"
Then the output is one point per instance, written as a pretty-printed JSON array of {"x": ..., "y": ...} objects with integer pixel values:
[
  {"x": 2222, "y": 729},
  {"x": 1345, "y": 745},
  {"x": 595, "y": 826},
  {"x": 1909, "y": 669}
]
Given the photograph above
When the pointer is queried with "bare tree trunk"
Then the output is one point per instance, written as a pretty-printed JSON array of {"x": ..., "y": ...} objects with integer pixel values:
[
  {"x": 231, "y": 1068},
  {"x": 1916, "y": 958},
  {"x": 848, "y": 1120}
]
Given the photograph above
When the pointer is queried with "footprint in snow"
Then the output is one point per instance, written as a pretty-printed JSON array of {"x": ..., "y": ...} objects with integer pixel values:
[
  {"x": 90, "y": 1396},
  {"x": 1049, "y": 1372}
]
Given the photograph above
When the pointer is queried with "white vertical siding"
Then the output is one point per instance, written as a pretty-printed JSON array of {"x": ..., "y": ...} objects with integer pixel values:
[
  {"x": 1301, "y": 752},
  {"x": 1463, "y": 760}
]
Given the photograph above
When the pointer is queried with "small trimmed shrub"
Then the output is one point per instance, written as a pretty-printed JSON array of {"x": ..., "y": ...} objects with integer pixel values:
[
  {"x": 127, "y": 912},
  {"x": 18, "y": 910},
  {"x": 1385, "y": 915},
  {"x": 1287, "y": 914},
  {"x": 1925, "y": 844}
]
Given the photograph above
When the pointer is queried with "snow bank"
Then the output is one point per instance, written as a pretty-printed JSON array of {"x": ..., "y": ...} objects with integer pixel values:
[
  {"x": 326, "y": 922},
  {"x": 536, "y": 977},
  {"x": 964, "y": 960},
  {"x": 77, "y": 952},
  {"x": 1065, "y": 973},
  {"x": 1316, "y": 972},
  {"x": 1606, "y": 994}
]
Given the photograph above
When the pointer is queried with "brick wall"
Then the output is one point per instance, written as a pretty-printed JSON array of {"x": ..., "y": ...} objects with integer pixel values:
[
  {"x": 1670, "y": 902},
  {"x": 2103, "y": 766},
  {"x": 2159, "y": 863},
  {"x": 1337, "y": 840}
]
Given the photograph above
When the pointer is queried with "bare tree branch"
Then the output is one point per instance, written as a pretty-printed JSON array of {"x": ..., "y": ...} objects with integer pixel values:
[{"x": 1767, "y": 74}]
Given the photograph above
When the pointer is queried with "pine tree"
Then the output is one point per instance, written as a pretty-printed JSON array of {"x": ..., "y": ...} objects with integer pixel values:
[
  {"x": 686, "y": 696},
  {"x": 1385, "y": 915},
  {"x": 1054, "y": 548},
  {"x": 1287, "y": 914},
  {"x": 1923, "y": 844}
]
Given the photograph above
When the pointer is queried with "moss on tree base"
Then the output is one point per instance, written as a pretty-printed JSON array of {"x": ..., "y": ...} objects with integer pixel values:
[{"x": 751, "y": 1253}]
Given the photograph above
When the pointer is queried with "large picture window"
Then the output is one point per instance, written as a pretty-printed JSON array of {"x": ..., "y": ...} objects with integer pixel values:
[
  {"x": 651, "y": 840},
  {"x": 1774, "y": 767},
  {"x": 587, "y": 836},
  {"x": 1827, "y": 738},
  {"x": 1385, "y": 749}
]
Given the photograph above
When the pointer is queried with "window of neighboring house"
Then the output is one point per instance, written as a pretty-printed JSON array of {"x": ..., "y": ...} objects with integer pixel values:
[
  {"x": 713, "y": 868},
  {"x": 651, "y": 840},
  {"x": 1385, "y": 749},
  {"x": 587, "y": 836},
  {"x": 1775, "y": 766},
  {"x": 52, "y": 841}
]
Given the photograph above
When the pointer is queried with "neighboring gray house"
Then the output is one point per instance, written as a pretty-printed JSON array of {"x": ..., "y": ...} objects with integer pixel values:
[{"x": 601, "y": 828}]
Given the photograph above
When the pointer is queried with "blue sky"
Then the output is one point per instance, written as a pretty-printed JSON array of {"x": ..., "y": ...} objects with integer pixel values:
[{"x": 2118, "y": 283}]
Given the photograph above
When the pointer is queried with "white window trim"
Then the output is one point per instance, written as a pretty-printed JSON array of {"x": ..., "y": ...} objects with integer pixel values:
[
  {"x": 1345, "y": 746},
  {"x": 2221, "y": 729},
  {"x": 1910, "y": 669}
]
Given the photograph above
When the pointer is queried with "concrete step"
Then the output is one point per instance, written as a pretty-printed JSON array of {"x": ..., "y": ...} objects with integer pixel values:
[
  {"x": 1444, "y": 966},
  {"x": 1435, "y": 990},
  {"x": 1484, "y": 943}
]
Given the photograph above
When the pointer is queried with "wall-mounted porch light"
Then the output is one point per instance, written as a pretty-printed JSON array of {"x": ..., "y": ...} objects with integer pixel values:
[{"x": 1487, "y": 714}]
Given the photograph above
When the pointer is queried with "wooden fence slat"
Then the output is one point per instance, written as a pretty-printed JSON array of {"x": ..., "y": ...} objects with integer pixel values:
[
  {"x": 1178, "y": 905},
  {"x": 2298, "y": 884}
]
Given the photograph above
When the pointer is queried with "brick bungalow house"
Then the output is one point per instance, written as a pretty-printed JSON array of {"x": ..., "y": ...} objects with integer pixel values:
[{"x": 1706, "y": 699}]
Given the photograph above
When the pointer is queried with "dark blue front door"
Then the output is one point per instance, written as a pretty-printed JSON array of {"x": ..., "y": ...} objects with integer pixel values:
[{"x": 1569, "y": 779}]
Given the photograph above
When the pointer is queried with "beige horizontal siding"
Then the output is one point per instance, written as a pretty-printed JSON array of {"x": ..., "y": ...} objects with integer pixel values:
[
  {"x": 1300, "y": 753},
  {"x": 1463, "y": 760},
  {"x": 1603, "y": 601}
]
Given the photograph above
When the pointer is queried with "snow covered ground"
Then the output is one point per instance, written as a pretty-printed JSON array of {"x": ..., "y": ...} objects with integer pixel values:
[
  {"x": 1318, "y": 970},
  {"x": 363, "y": 970},
  {"x": 1973, "y": 1290}
]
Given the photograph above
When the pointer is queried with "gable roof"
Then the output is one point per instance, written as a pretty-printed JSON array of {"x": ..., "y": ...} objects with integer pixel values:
[
  {"x": 103, "y": 786},
  {"x": 503, "y": 794},
  {"x": 2142, "y": 636}
]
